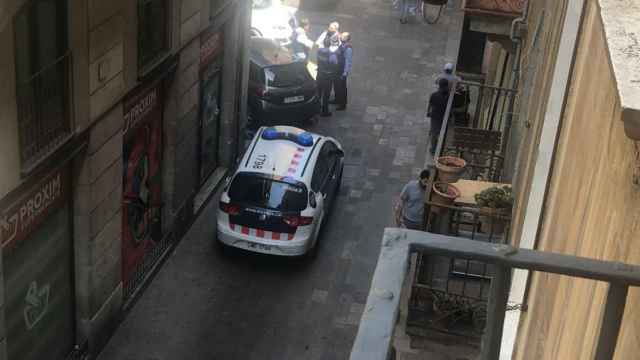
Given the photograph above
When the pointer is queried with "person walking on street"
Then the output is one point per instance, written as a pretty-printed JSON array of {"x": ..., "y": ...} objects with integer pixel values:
[
  {"x": 410, "y": 209},
  {"x": 447, "y": 73},
  {"x": 436, "y": 109},
  {"x": 345, "y": 63},
  {"x": 327, "y": 70},
  {"x": 301, "y": 45}
]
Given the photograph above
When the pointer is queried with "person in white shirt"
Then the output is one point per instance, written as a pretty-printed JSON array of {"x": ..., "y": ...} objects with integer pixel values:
[
  {"x": 333, "y": 29},
  {"x": 300, "y": 42}
]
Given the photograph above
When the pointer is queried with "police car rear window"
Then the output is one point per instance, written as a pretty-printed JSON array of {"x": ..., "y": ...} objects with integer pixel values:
[{"x": 264, "y": 192}]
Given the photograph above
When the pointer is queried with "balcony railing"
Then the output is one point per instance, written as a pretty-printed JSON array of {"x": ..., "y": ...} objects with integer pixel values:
[
  {"x": 375, "y": 333},
  {"x": 44, "y": 112},
  {"x": 508, "y": 8}
]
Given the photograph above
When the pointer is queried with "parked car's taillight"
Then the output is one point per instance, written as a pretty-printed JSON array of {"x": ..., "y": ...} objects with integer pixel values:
[
  {"x": 261, "y": 92},
  {"x": 230, "y": 208},
  {"x": 295, "y": 220}
]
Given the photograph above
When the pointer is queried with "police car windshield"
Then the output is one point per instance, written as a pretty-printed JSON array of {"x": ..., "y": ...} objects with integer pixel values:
[{"x": 256, "y": 190}]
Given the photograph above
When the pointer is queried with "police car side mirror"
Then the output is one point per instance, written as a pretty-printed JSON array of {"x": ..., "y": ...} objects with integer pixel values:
[{"x": 312, "y": 199}]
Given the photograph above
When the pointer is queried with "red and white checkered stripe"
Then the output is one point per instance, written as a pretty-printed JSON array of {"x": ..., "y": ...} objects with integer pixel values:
[
  {"x": 295, "y": 162},
  {"x": 269, "y": 235}
]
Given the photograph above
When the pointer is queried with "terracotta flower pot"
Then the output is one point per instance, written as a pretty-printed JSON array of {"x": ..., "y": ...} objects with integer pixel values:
[
  {"x": 443, "y": 194},
  {"x": 490, "y": 221},
  {"x": 450, "y": 168}
]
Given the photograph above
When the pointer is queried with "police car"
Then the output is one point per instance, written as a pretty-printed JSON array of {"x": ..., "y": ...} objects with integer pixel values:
[{"x": 278, "y": 198}]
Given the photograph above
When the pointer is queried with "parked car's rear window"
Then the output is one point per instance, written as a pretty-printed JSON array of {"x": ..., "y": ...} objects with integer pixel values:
[
  {"x": 294, "y": 74},
  {"x": 263, "y": 192}
]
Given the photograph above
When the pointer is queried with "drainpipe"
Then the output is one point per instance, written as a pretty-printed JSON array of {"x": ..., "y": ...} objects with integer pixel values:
[
  {"x": 517, "y": 28},
  {"x": 543, "y": 162}
]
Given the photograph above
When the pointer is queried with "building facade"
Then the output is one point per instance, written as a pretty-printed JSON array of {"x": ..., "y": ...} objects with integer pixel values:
[{"x": 119, "y": 118}]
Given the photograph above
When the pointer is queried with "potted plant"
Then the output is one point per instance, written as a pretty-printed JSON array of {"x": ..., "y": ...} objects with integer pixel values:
[
  {"x": 494, "y": 203},
  {"x": 450, "y": 168},
  {"x": 443, "y": 194}
]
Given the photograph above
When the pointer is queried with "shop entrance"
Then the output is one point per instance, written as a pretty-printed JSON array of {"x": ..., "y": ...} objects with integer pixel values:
[{"x": 37, "y": 259}]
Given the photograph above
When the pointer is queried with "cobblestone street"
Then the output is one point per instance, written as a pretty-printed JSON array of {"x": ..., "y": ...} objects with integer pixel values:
[{"x": 205, "y": 305}]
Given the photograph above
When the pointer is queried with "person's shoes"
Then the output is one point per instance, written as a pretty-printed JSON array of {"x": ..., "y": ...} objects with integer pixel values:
[
  {"x": 327, "y": 114},
  {"x": 341, "y": 108}
]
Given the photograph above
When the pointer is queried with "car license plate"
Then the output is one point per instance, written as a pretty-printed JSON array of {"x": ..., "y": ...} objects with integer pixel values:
[
  {"x": 260, "y": 246},
  {"x": 292, "y": 99}
]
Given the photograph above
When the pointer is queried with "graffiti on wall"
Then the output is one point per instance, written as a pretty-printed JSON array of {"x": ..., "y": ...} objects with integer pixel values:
[{"x": 141, "y": 210}]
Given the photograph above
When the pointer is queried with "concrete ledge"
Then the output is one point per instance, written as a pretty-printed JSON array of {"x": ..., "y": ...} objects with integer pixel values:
[{"x": 621, "y": 22}]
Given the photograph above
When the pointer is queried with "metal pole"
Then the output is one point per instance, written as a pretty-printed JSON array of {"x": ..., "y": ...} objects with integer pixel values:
[
  {"x": 498, "y": 296},
  {"x": 611, "y": 319}
]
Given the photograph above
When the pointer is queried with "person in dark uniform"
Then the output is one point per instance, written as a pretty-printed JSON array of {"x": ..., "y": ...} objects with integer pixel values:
[
  {"x": 328, "y": 67},
  {"x": 436, "y": 109},
  {"x": 345, "y": 61}
]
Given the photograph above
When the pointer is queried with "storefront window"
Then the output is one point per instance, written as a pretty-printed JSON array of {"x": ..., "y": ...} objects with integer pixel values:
[{"x": 210, "y": 119}]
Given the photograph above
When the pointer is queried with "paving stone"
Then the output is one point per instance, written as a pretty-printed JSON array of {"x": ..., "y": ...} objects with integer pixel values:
[
  {"x": 319, "y": 296},
  {"x": 373, "y": 172}
]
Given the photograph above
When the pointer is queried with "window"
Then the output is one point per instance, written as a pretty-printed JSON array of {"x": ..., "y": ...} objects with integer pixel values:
[
  {"x": 323, "y": 166},
  {"x": 42, "y": 78},
  {"x": 294, "y": 74},
  {"x": 261, "y": 191},
  {"x": 153, "y": 31}
]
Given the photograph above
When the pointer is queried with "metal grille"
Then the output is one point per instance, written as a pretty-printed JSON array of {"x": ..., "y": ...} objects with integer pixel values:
[
  {"x": 450, "y": 294},
  {"x": 154, "y": 257},
  {"x": 44, "y": 116}
]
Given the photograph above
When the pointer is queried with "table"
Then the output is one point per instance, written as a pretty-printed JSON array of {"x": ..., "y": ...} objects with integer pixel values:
[{"x": 468, "y": 188}]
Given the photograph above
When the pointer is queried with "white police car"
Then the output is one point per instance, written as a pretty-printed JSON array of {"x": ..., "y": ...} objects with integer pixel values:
[{"x": 278, "y": 198}]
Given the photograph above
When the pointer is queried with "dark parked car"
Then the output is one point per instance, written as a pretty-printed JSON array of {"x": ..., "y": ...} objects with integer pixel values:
[{"x": 281, "y": 90}]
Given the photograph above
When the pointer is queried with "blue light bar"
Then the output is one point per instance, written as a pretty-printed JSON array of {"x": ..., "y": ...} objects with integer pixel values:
[{"x": 302, "y": 139}]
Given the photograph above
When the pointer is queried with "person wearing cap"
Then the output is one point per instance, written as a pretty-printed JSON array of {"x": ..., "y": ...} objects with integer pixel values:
[
  {"x": 331, "y": 29},
  {"x": 345, "y": 56},
  {"x": 436, "y": 109},
  {"x": 447, "y": 73}
]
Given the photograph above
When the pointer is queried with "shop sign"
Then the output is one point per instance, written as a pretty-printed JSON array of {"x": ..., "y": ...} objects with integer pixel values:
[
  {"x": 210, "y": 48},
  {"x": 140, "y": 107},
  {"x": 22, "y": 218}
]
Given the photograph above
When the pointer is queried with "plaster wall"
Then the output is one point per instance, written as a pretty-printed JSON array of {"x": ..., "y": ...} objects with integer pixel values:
[
  {"x": 592, "y": 210},
  {"x": 538, "y": 58},
  {"x": 10, "y": 159}
]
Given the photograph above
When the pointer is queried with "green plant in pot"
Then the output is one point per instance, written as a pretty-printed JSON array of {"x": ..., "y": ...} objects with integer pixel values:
[{"x": 495, "y": 203}]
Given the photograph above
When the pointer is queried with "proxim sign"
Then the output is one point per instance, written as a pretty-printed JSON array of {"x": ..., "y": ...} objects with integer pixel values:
[{"x": 31, "y": 210}]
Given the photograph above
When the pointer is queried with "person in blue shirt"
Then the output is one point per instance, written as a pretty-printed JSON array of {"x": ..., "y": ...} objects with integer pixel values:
[
  {"x": 328, "y": 71},
  {"x": 345, "y": 63}
]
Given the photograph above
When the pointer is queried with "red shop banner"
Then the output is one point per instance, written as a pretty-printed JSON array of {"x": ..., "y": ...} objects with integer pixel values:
[
  {"x": 142, "y": 186},
  {"x": 32, "y": 209}
]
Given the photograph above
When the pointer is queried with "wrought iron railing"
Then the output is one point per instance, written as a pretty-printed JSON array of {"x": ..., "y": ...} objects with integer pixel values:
[
  {"x": 44, "y": 112},
  {"x": 375, "y": 333}
]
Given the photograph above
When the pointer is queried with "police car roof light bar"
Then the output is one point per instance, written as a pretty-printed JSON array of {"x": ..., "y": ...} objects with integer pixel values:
[{"x": 302, "y": 139}]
